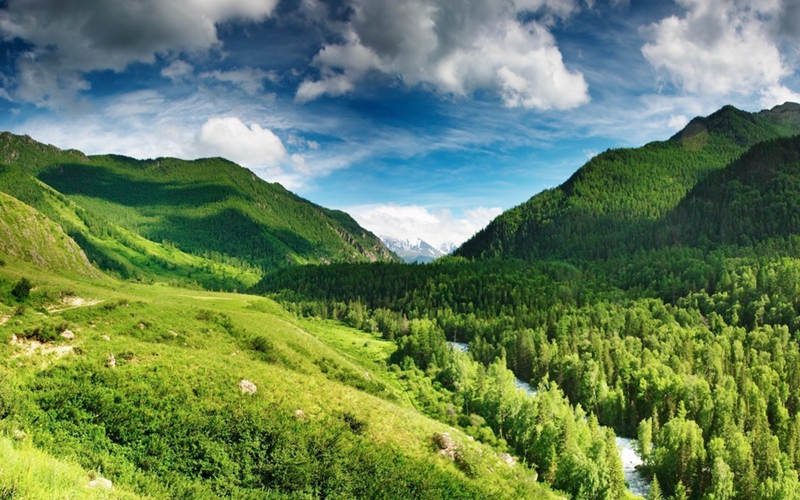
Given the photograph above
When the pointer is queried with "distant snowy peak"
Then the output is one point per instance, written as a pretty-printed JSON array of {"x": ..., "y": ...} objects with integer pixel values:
[
  {"x": 447, "y": 248},
  {"x": 416, "y": 249}
]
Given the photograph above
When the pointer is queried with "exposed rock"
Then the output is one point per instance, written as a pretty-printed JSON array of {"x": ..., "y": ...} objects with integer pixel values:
[
  {"x": 105, "y": 337},
  {"x": 447, "y": 447},
  {"x": 19, "y": 435},
  {"x": 510, "y": 460},
  {"x": 247, "y": 387},
  {"x": 68, "y": 334},
  {"x": 101, "y": 483},
  {"x": 4, "y": 319},
  {"x": 111, "y": 361},
  {"x": 299, "y": 414}
]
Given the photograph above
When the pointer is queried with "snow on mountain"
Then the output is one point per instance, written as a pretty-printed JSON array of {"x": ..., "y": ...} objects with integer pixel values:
[{"x": 416, "y": 249}]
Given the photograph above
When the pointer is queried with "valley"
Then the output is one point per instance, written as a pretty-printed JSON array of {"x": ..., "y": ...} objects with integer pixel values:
[{"x": 174, "y": 329}]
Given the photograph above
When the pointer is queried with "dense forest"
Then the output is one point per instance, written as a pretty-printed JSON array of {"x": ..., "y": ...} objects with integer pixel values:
[{"x": 657, "y": 291}]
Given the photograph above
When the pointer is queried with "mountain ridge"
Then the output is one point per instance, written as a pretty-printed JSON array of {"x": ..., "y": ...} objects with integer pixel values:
[
  {"x": 416, "y": 250},
  {"x": 211, "y": 209},
  {"x": 612, "y": 202}
]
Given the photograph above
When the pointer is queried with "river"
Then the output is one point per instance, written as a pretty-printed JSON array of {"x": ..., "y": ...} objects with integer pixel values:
[{"x": 637, "y": 482}]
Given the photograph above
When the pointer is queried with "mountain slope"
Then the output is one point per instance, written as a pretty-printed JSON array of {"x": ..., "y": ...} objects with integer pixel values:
[
  {"x": 27, "y": 235},
  {"x": 149, "y": 391},
  {"x": 211, "y": 209},
  {"x": 755, "y": 198},
  {"x": 611, "y": 203}
]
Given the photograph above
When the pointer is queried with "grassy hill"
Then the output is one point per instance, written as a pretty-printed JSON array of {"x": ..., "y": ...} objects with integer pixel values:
[
  {"x": 168, "y": 417},
  {"x": 27, "y": 235},
  {"x": 610, "y": 204},
  {"x": 208, "y": 222}
]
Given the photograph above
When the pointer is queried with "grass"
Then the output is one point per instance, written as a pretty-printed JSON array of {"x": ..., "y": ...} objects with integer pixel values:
[
  {"x": 27, "y": 472},
  {"x": 170, "y": 420}
]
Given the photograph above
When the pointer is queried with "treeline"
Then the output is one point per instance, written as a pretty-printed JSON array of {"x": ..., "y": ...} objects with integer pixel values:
[{"x": 697, "y": 353}]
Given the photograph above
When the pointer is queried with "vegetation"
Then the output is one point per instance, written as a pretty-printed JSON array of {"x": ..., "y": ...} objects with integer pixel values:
[
  {"x": 206, "y": 223},
  {"x": 654, "y": 295},
  {"x": 611, "y": 204}
]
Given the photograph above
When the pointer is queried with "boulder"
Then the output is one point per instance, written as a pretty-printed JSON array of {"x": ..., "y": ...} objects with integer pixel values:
[{"x": 247, "y": 387}]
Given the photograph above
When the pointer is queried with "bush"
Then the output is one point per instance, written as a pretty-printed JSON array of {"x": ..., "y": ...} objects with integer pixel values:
[{"x": 22, "y": 289}]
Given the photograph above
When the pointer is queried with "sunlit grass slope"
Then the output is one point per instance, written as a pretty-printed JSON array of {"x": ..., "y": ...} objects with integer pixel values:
[{"x": 148, "y": 393}]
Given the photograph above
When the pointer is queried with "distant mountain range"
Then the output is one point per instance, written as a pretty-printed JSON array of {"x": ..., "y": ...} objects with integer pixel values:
[{"x": 416, "y": 250}]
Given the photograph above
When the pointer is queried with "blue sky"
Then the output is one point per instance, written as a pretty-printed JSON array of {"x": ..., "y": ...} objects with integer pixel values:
[{"x": 422, "y": 118}]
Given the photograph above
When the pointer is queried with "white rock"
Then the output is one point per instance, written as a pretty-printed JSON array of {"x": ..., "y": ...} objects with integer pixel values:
[
  {"x": 247, "y": 387},
  {"x": 102, "y": 483}
]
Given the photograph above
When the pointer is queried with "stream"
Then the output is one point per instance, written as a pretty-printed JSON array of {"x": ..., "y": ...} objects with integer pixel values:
[{"x": 637, "y": 482}]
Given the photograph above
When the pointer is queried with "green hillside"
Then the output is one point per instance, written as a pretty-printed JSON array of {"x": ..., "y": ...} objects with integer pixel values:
[
  {"x": 754, "y": 199},
  {"x": 175, "y": 393},
  {"x": 208, "y": 222},
  {"x": 610, "y": 204},
  {"x": 27, "y": 235}
]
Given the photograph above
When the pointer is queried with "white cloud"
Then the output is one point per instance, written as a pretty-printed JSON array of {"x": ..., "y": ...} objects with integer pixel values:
[
  {"x": 72, "y": 37},
  {"x": 454, "y": 48},
  {"x": 436, "y": 226},
  {"x": 177, "y": 70},
  {"x": 677, "y": 122},
  {"x": 251, "y": 80},
  {"x": 250, "y": 146},
  {"x": 720, "y": 47},
  {"x": 778, "y": 94}
]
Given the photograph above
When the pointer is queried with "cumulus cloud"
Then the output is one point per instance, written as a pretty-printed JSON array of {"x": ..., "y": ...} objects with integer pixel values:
[
  {"x": 436, "y": 226},
  {"x": 455, "y": 48},
  {"x": 72, "y": 37},
  {"x": 721, "y": 47},
  {"x": 250, "y": 146}
]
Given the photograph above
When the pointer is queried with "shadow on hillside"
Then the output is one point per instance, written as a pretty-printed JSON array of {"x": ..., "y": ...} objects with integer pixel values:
[
  {"x": 230, "y": 232},
  {"x": 98, "y": 182}
]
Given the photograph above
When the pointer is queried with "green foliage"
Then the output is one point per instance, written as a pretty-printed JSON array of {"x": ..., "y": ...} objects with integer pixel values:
[
  {"x": 22, "y": 289},
  {"x": 612, "y": 204}
]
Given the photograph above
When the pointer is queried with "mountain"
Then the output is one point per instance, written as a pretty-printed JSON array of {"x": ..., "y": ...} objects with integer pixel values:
[
  {"x": 227, "y": 224},
  {"x": 415, "y": 250},
  {"x": 612, "y": 203},
  {"x": 754, "y": 199}
]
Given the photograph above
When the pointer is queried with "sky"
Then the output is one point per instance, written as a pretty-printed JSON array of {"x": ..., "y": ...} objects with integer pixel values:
[{"x": 420, "y": 118}]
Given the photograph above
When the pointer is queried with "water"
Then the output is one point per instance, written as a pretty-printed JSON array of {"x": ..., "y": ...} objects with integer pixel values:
[
  {"x": 463, "y": 347},
  {"x": 637, "y": 482}
]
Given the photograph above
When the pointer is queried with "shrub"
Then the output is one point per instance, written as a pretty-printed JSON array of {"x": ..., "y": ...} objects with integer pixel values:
[{"x": 22, "y": 289}]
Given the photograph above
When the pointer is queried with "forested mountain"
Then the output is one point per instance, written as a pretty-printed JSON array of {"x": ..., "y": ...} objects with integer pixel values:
[
  {"x": 611, "y": 204},
  {"x": 657, "y": 289},
  {"x": 210, "y": 212},
  {"x": 754, "y": 199}
]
